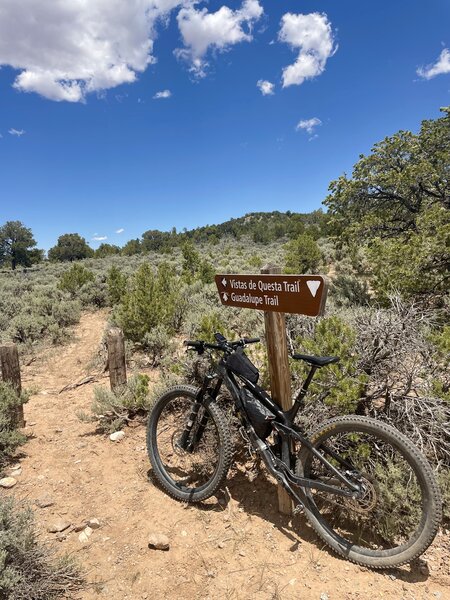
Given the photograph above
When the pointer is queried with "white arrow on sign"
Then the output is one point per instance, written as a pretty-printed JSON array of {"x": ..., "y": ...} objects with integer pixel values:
[
  {"x": 225, "y": 296},
  {"x": 224, "y": 282},
  {"x": 313, "y": 286}
]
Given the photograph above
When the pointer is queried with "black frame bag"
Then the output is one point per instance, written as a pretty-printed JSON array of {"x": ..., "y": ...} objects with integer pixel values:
[{"x": 239, "y": 363}]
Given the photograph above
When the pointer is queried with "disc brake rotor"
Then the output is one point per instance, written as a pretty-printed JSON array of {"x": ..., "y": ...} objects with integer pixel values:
[{"x": 365, "y": 503}]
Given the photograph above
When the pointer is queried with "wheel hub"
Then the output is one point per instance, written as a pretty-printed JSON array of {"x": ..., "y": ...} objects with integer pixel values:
[{"x": 367, "y": 501}]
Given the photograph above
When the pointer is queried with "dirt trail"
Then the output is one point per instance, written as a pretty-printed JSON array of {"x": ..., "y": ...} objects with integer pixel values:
[{"x": 232, "y": 548}]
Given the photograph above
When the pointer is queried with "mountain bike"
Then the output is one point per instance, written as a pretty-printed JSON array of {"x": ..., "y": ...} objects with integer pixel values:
[{"x": 364, "y": 487}]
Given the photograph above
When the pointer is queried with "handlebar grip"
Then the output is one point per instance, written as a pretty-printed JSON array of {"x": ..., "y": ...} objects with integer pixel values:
[
  {"x": 193, "y": 344},
  {"x": 251, "y": 340}
]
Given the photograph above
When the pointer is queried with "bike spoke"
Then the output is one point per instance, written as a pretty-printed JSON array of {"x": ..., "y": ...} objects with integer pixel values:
[
  {"x": 389, "y": 510},
  {"x": 193, "y": 467}
]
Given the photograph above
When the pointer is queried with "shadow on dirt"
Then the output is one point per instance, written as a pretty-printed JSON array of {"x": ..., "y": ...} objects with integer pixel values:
[{"x": 259, "y": 497}]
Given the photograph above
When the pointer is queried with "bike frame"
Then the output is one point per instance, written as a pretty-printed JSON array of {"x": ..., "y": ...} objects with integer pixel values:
[{"x": 283, "y": 424}]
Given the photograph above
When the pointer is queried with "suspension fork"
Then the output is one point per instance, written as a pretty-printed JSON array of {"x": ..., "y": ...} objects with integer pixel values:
[{"x": 192, "y": 420}]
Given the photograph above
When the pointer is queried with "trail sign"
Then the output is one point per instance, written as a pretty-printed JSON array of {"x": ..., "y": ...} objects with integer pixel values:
[{"x": 300, "y": 294}]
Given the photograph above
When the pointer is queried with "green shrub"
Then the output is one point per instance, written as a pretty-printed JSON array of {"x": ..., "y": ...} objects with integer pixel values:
[
  {"x": 93, "y": 293},
  {"x": 27, "y": 328},
  {"x": 117, "y": 285},
  {"x": 75, "y": 278},
  {"x": 350, "y": 290},
  {"x": 152, "y": 301},
  {"x": 66, "y": 312},
  {"x": 210, "y": 324},
  {"x": 156, "y": 344},
  {"x": 10, "y": 438},
  {"x": 255, "y": 261},
  {"x": 112, "y": 410},
  {"x": 195, "y": 267},
  {"x": 339, "y": 385},
  {"x": 27, "y": 570},
  {"x": 206, "y": 272},
  {"x": 302, "y": 255}
]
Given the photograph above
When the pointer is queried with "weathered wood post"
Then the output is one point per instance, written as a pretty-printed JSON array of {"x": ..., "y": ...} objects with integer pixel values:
[
  {"x": 116, "y": 358},
  {"x": 10, "y": 365},
  {"x": 280, "y": 374}
]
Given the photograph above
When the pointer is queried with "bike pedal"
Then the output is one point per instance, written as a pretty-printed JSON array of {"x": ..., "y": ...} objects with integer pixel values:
[{"x": 298, "y": 509}]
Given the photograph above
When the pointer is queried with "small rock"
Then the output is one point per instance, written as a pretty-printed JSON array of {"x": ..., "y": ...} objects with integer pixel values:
[
  {"x": 85, "y": 535},
  {"x": 324, "y": 596},
  {"x": 158, "y": 541},
  {"x": 16, "y": 472},
  {"x": 117, "y": 436},
  {"x": 94, "y": 523},
  {"x": 393, "y": 577},
  {"x": 8, "y": 482},
  {"x": 60, "y": 536},
  {"x": 80, "y": 526},
  {"x": 221, "y": 545},
  {"x": 44, "y": 502},
  {"x": 31, "y": 423},
  {"x": 58, "y": 526},
  {"x": 241, "y": 553}
]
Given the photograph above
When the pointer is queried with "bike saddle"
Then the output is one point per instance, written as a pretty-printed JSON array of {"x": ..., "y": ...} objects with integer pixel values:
[{"x": 316, "y": 361}]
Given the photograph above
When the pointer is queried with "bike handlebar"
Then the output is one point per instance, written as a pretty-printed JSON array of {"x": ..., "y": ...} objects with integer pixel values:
[{"x": 200, "y": 346}]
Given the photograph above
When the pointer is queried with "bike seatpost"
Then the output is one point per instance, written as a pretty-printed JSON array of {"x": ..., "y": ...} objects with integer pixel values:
[{"x": 302, "y": 393}]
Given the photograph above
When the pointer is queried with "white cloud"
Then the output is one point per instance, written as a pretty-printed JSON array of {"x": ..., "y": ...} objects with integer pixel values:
[
  {"x": 309, "y": 125},
  {"x": 312, "y": 35},
  {"x": 17, "y": 132},
  {"x": 121, "y": 230},
  {"x": 202, "y": 30},
  {"x": 163, "y": 94},
  {"x": 440, "y": 67},
  {"x": 266, "y": 87},
  {"x": 66, "y": 49},
  {"x": 100, "y": 238}
]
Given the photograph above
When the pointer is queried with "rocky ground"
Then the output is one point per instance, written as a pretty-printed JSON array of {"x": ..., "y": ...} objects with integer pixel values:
[{"x": 94, "y": 498}]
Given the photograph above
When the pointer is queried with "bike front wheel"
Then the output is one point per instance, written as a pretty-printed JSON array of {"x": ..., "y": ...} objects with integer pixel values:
[
  {"x": 397, "y": 515},
  {"x": 191, "y": 470}
]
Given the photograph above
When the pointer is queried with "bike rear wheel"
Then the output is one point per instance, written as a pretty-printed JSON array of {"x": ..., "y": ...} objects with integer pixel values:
[
  {"x": 193, "y": 474},
  {"x": 399, "y": 514}
]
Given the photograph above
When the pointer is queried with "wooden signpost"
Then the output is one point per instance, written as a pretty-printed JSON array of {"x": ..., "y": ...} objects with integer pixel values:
[{"x": 276, "y": 294}]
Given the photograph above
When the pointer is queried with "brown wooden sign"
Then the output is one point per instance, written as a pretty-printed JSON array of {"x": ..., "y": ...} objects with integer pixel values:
[{"x": 299, "y": 294}]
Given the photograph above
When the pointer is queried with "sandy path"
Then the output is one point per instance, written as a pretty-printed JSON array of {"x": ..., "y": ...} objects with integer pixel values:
[{"x": 237, "y": 550}]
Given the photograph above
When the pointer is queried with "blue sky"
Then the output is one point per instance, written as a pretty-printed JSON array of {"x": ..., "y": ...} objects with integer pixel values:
[{"x": 97, "y": 155}]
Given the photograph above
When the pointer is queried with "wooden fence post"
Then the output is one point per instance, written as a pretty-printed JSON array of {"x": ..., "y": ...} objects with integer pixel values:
[
  {"x": 116, "y": 358},
  {"x": 280, "y": 375},
  {"x": 10, "y": 365}
]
